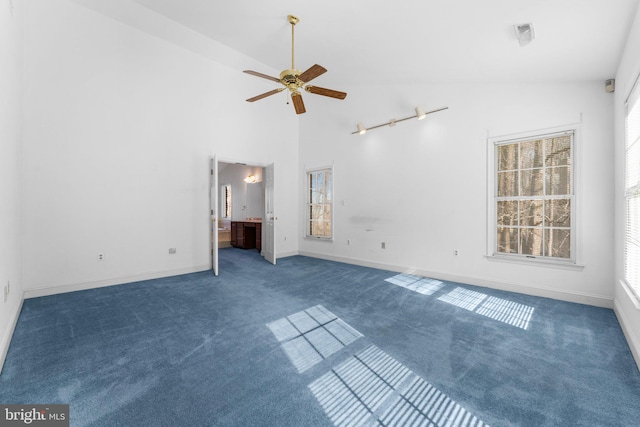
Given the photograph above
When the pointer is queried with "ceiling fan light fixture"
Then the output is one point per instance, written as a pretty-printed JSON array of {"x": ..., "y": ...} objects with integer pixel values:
[{"x": 420, "y": 114}]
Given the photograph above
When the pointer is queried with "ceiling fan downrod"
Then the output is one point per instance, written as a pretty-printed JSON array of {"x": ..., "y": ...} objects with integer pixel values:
[{"x": 293, "y": 20}]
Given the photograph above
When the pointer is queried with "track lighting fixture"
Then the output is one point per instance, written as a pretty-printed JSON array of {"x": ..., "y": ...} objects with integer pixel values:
[{"x": 420, "y": 114}]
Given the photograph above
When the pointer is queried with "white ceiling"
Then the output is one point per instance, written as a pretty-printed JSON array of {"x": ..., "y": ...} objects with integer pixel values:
[{"x": 409, "y": 41}]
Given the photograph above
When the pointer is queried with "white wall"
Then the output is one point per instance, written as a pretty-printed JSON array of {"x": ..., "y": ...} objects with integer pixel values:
[
  {"x": 421, "y": 186},
  {"x": 627, "y": 306},
  {"x": 11, "y": 27},
  {"x": 120, "y": 124}
]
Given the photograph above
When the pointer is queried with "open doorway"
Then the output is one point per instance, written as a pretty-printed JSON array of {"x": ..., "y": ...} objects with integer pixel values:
[{"x": 242, "y": 213}]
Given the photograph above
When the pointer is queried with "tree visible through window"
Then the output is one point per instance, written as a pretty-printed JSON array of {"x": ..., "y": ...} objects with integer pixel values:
[
  {"x": 226, "y": 201},
  {"x": 319, "y": 203},
  {"x": 534, "y": 196}
]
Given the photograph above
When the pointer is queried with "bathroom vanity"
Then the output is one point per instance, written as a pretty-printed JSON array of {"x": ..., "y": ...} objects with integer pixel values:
[{"x": 247, "y": 234}]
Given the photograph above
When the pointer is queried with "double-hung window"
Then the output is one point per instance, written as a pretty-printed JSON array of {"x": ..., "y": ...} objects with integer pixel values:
[
  {"x": 319, "y": 207},
  {"x": 632, "y": 191},
  {"x": 534, "y": 199}
]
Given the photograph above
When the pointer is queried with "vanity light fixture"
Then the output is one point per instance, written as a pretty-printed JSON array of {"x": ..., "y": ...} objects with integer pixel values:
[{"x": 420, "y": 114}]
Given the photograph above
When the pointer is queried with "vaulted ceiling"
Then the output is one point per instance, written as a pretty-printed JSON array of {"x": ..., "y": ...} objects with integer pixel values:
[{"x": 360, "y": 41}]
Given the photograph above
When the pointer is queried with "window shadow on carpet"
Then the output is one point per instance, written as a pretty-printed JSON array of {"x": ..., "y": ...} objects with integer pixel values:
[
  {"x": 500, "y": 309},
  {"x": 373, "y": 389},
  {"x": 421, "y": 285},
  {"x": 503, "y": 310},
  {"x": 310, "y": 336}
]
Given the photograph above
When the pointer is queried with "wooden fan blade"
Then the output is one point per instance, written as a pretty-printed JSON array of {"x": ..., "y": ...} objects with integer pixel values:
[
  {"x": 313, "y": 72},
  {"x": 264, "y": 95},
  {"x": 264, "y": 76},
  {"x": 298, "y": 103},
  {"x": 326, "y": 92}
]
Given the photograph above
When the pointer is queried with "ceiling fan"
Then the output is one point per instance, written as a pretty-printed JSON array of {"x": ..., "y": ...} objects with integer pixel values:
[{"x": 295, "y": 80}]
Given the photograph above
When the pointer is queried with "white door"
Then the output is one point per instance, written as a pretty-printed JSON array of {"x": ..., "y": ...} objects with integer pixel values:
[
  {"x": 214, "y": 214},
  {"x": 269, "y": 223}
]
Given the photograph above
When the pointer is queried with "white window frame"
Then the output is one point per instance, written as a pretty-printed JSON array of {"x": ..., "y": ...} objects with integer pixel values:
[
  {"x": 308, "y": 204},
  {"x": 492, "y": 186},
  {"x": 630, "y": 192}
]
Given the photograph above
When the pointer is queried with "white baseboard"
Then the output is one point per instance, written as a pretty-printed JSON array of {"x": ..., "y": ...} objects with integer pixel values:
[
  {"x": 577, "y": 297},
  {"x": 72, "y": 287},
  {"x": 625, "y": 323},
  {"x": 287, "y": 254},
  {"x": 8, "y": 334}
]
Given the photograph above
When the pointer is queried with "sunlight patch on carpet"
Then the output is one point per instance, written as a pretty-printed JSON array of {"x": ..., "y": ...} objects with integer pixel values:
[
  {"x": 310, "y": 336},
  {"x": 503, "y": 310},
  {"x": 372, "y": 388},
  {"x": 419, "y": 284},
  {"x": 463, "y": 298},
  {"x": 509, "y": 312}
]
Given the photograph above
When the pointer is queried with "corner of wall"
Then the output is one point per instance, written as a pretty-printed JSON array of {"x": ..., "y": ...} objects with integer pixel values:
[
  {"x": 627, "y": 309},
  {"x": 12, "y": 28},
  {"x": 8, "y": 333},
  {"x": 625, "y": 324}
]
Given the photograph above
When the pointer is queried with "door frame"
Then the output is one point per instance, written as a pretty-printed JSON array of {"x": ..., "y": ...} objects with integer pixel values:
[
  {"x": 269, "y": 218},
  {"x": 214, "y": 208},
  {"x": 216, "y": 202}
]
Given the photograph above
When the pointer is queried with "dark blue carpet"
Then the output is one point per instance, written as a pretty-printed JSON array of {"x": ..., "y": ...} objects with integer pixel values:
[{"x": 316, "y": 343}]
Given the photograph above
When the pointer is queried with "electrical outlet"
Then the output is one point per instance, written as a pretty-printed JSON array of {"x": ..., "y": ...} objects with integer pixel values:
[
  {"x": 100, "y": 257},
  {"x": 455, "y": 252},
  {"x": 172, "y": 251},
  {"x": 383, "y": 245},
  {"x": 348, "y": 242}
]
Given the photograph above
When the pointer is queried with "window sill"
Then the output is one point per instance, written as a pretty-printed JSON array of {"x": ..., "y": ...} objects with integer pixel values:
[
  {"x": 536, "y": 262},
  {"x": 319, "y": 239}
]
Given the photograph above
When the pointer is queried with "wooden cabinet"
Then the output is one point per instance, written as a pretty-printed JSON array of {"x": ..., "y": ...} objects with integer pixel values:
[{"x": 246, "y": 234}]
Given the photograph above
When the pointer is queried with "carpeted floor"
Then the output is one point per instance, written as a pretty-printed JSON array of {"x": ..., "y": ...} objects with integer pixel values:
[{"x": 316, "y": 343}]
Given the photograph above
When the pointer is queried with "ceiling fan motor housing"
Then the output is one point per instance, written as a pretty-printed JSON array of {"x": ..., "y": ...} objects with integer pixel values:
[{"x": 289, "y": 78}]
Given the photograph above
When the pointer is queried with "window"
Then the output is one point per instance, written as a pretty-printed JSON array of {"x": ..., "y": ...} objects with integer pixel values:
[
  {"x": 632, "y": 191},
  {"x": 319, "y": 204},
  {"x": 534, "y": 199},
  {"x": 226, "y": 201}
]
